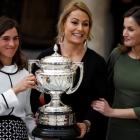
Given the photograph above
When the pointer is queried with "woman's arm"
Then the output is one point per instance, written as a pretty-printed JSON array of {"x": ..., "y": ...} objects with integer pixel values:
[
  {"x": 26, "y": 83},
  {"x": 9, "y": 99},
  {"x": 103, "y": 107}
]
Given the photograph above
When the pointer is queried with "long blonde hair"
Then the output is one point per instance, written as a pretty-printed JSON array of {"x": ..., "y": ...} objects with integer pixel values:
[{"x": 67, "y": 10}]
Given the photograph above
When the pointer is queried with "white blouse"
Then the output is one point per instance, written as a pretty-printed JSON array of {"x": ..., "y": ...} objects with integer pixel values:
[{"x": 17, "y": 105}]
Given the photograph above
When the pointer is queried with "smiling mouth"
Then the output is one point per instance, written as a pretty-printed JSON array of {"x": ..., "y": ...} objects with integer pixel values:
[
  {"x": 10, "y": 48},
  {"x": 126, "y": 39},
  {"x": 77, "y": 35}
]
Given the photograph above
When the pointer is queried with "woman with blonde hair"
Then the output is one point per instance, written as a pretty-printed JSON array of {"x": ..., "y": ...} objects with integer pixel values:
[{"x": 74, "y": 31}]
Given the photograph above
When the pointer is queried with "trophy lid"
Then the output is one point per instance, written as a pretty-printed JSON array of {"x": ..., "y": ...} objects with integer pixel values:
[{"x": 56, "y": 59}]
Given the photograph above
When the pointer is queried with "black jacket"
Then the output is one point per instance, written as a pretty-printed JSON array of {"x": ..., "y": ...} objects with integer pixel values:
[{"x": 93, "y": 87}]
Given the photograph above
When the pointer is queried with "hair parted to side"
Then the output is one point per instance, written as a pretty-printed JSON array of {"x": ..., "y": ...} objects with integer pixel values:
[
  {"x": 134, "y": 12},
  {"x": 67, "y": 10},
  {"x": 7, "y": 23}
]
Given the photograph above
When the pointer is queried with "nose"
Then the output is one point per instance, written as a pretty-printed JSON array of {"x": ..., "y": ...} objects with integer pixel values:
[
  {"x": 11, "y": 42},
  {"x": 125, "y": 32},
  {"x": 79, "y": 27}
]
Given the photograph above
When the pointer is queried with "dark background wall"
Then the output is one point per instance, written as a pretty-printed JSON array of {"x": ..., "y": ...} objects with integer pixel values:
[
  {"x": 117, "y": 9},
  {"x": 37, "y": 19}
]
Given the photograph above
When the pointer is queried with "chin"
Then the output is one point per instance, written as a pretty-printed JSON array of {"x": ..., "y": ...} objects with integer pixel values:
[
  {"x": 77, "y": 43},
  {"x": 127, "y": 44}
]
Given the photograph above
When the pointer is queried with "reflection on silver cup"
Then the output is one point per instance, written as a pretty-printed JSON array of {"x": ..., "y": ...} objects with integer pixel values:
[{"x": 56, "y": 76}]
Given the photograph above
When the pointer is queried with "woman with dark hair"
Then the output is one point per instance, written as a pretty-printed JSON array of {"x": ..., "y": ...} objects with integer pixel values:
[
  {"x": 16, "y": 121},
  {"x": 124, "y": 83},
  {"x": 74, "y": 30},
  {"x": 5, "y": 25}
]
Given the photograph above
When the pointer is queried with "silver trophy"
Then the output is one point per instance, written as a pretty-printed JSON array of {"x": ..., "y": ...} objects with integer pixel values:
[{"x": 56, "y": 76}]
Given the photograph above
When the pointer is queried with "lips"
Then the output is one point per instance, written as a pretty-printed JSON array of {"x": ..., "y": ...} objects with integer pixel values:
[
  {"x": 126, "y": 39},
  {"x": 77, "y": 35},
  {"x": 10, "y": 48}
]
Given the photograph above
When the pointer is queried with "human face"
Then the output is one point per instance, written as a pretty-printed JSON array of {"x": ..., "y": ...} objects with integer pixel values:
[
  {"x": 131, "y": 32},
  {"x": 76, "y": 27},
  {"x": 9, "y": 42}
]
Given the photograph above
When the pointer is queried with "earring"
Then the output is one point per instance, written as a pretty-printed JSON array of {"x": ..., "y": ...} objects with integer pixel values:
[
  {"x": 61, "y": 38},
  {"x": 85, "y": 44}
]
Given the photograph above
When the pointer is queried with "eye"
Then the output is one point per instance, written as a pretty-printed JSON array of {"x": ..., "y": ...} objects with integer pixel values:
[
  {"x": 131, "y": 29},
  {"x": 74, "y": 22},
  {"x": 16, "y": 38},
  {"x": 85, "y": 24},
  {"x": 5, "y": 38}
]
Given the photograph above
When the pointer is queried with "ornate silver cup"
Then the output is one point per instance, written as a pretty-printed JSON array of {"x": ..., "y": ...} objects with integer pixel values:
[{"x": 56, "y": 76}]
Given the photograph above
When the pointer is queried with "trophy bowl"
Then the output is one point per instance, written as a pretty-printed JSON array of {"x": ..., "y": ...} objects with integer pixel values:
[{"x": 56, "y": 76}]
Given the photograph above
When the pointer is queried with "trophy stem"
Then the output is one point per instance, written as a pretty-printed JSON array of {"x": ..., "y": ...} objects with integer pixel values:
[
  {"x": 55, "y": 98},
  {"x": 55, "y": 105}
]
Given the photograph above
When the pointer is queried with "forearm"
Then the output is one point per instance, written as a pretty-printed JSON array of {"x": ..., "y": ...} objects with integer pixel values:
[
  {"x": 8, "y": 100},
  {"x": 123, "y": 113},
  {"x": 103, "y": 107},
  {"x": 16, "y": 90}
]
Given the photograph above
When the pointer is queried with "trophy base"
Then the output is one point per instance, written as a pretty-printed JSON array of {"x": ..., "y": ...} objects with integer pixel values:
[{"x": 65, "y": 132}]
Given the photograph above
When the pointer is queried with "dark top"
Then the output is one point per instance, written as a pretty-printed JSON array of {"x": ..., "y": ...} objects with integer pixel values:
[
  {"x": 93, "y": 87},
  {"x": 126, "y": 80}
]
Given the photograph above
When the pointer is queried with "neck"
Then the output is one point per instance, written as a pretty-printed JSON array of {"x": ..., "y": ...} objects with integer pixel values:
[
  {"x": 6, "y": 62},
  {"x": 135, "y": 52},
  {"x": 70, "y": 50}
]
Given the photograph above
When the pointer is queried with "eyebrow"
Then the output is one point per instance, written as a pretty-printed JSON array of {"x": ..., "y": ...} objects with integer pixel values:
[
  {"x": 128, "y": 26},
  {"x": 9, "y": 36},
  {"x": 78, "y": 20}
]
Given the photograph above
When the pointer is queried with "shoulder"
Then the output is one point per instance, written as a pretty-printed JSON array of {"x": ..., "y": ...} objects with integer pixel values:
[
  {"x": 115, "y": 52},
  {"x": 95, "y": 56},
  {"x": 114, "y": 55},
  {"x": 96, "y": 63}
]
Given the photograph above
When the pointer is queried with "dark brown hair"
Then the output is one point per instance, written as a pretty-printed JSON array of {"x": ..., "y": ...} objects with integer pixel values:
[
  {"x": 7, "y": 23},
  {"x": 135, "y": 14}
]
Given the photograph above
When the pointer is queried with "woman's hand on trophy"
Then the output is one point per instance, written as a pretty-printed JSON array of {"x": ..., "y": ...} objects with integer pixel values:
[
  {"x": 26, "y": 83},
  {"x": 82, "y": 128}
]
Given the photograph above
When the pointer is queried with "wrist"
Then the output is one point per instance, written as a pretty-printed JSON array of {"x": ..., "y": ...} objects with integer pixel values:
[
  {"x": 87, "y": 126},
  {"x": 112, "y": 113},
  {"x": 15, "y": 90}
]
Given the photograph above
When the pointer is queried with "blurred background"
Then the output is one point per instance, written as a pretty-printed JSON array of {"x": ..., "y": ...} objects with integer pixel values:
[{"x": 38, "y": 20}]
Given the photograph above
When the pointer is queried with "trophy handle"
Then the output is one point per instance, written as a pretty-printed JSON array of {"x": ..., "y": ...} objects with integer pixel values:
[
  {"x": 30, "y": 66},
  {"x": 80, "y": 64}
]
